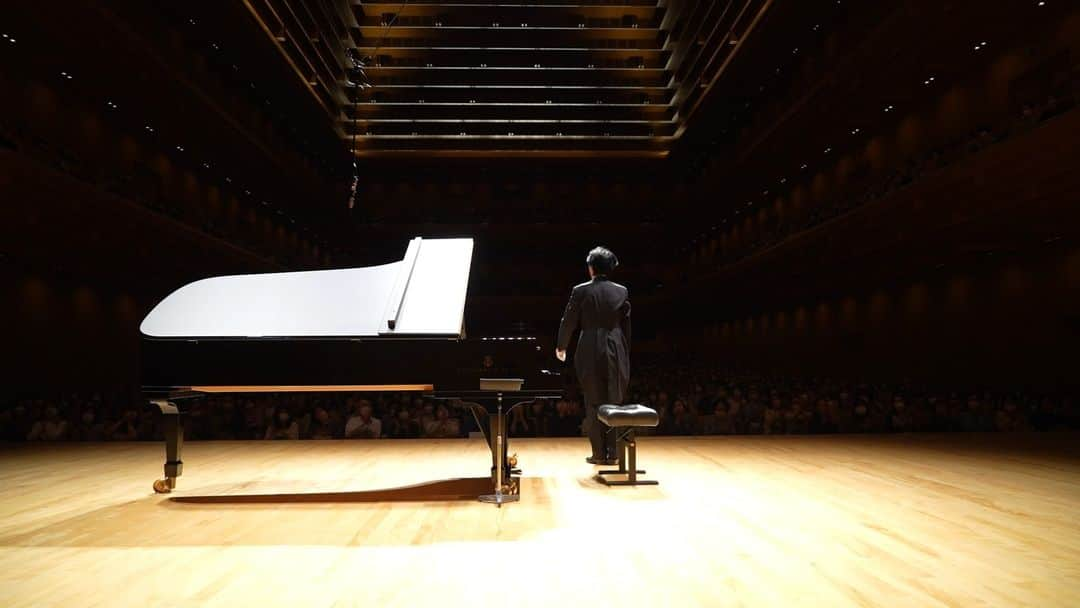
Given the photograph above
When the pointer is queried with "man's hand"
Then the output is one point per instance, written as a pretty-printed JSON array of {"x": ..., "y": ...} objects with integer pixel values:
[{"x": 560, "y": 354}]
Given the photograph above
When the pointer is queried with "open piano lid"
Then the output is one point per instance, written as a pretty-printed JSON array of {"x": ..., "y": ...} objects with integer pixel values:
[{"x": 422, "y": 295}]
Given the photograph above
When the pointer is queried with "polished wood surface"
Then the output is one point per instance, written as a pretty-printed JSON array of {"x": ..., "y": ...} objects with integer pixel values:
[
  {"x": 313, "y": 388},
  {"x": 957, "y": 520}
]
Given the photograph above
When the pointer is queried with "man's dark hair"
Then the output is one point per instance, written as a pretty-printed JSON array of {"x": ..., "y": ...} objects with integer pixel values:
[{"x": 602, "y": 260}]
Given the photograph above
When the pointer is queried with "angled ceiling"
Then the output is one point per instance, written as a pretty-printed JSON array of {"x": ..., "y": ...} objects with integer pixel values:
[{"x": 485, "y": 78}]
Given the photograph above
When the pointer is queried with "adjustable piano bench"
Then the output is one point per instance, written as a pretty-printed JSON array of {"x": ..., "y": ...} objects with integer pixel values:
[{"x": 623, "y": 419}]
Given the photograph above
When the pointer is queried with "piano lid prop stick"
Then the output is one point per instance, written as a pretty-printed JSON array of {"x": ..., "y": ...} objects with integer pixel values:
[{"x": 401, "y": 283}]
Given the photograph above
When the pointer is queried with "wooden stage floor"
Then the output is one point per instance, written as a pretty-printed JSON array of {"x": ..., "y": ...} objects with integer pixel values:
[{"x": 956, "y": 520}]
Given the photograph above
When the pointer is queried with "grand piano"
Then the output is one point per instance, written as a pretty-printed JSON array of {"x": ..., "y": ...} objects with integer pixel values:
[{"x": 393, "y": 327}]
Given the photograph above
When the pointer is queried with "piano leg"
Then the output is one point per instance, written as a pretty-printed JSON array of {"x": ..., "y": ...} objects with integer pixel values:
[
  {"x": 174, "y": 445},
  {"x": 506, "y": 487}
]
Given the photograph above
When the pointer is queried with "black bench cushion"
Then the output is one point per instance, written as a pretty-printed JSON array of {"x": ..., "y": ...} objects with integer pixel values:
[{"x": 628, "y": 415}]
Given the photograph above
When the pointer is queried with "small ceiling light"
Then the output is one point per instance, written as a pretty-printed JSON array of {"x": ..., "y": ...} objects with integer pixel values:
[
  {"x": 889, "y": 108},
  {"x": 66, "y": 75},
  {"x": 206, "y": 165},
  {"x": 149, "y": 129},
  {"x": 827, "y": 150},
  {"x": 111, "y": 105},
  {"x": 1041, "y": 3},
  {"x": 855, "y": 131},
  {"x": 803, "y": 166},
  {"x": 228, "y": 180},
  {"x": 180, "y": 148}
]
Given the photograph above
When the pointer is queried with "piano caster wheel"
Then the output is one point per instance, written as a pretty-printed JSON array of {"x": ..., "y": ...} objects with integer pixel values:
[{"x": 164, "y": 486}]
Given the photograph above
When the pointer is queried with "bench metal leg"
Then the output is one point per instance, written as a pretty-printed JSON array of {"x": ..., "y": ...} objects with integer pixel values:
[{"x": 627, "y": 448}]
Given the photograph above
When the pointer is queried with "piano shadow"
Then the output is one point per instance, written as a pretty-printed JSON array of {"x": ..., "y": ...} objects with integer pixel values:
[
  {"x": 463, "y": 488},
  {"x": 429, "y": 513}
]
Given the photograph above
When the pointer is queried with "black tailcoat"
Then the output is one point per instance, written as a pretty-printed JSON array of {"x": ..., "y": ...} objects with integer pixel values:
[{"x": 601, "y": 310}]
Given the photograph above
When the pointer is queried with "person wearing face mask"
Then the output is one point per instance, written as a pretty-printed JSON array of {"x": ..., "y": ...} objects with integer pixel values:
[{"x": 282, "y": 426}]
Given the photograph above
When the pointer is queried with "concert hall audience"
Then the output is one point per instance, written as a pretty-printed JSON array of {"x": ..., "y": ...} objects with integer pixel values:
[{"x": 691, "y": 400}]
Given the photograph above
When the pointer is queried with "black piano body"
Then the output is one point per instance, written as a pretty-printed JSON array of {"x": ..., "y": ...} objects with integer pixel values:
[{"x": 188, "y": 348}]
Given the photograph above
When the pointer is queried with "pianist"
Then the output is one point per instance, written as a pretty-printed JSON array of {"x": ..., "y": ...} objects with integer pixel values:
[{"x": 600, "y": 309}]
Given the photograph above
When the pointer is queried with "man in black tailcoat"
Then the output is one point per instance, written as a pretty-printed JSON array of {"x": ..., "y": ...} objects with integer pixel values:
[{"x": 600, "y": 308}]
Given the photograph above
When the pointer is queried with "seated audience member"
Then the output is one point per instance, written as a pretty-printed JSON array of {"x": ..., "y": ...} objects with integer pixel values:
[
  {"x": 797, "y": 419},
  {"x": 1009, "y": 418},
  {"x": 565, "y": 424},
  {"x": 51, "y": 427},
  {"x": 860, "y": 420},
  {"x": 443, "y": 426},
  {"x": 973, "y": 418},
  {"x": 539, "y": 419},
  {"x": 402, "y": 425},
  {"x": 821, "y": 421},
  {"x": 682, "y": 421},
  {"x": 427, "y": 414},
  {"x": 519, "y": 422},
  {"x": 1046, "y": 416},
  {"x": 773, "y": 420},
  {"x": 124, "y": 429},
  {"x": 19, "y": 423},
  {"x": 900, "y": 422},
  {"x": 253, "y": 421},
  {"x": 88, "y": 428},
  {"x": 283, "y": 426},
  {"x": 753, "y": 414},
  {"x": 720, "y": 421},
  {"x": 361, "y": 425},
  {"x": 323, "y": 425}
]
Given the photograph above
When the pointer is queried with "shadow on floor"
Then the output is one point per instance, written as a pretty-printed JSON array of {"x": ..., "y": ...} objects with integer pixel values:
[{"x": 464, "y": 488}]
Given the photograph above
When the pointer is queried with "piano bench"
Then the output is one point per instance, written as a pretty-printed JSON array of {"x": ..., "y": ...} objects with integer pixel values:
[{"x": 623, "y": 419}]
